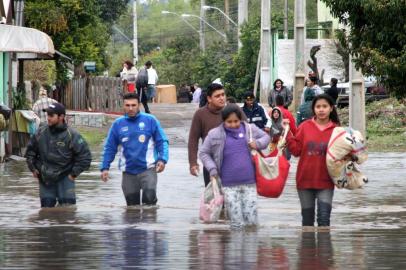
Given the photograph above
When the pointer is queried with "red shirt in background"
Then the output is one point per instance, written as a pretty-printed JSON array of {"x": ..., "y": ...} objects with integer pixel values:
[{"x": 287, "y": 115}]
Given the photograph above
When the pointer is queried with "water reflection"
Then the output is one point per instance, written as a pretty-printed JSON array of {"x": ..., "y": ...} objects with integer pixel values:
[
  {"x": 212, "y": 249},
  {"x": 143, "y": 248},
  {"x": 315, "y": 251}
]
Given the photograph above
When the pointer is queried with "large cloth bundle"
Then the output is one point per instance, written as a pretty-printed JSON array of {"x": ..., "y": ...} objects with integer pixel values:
[
  {"x": 211, "y": 202},
  {"x": 271, "y": 173},
  {"x": 345, "y": 150}
]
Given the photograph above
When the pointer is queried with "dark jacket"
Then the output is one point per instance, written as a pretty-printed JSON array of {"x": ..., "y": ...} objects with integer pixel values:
[
  {"x": 256, "y": 115},
  {"x": 333, "y": 93},
  {"x": 57, "y": 152},
  {"x": 305, "y": 110}
]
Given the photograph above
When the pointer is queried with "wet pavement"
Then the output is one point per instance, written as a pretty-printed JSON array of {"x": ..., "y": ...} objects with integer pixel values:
[{"x": 368, "y": 232}]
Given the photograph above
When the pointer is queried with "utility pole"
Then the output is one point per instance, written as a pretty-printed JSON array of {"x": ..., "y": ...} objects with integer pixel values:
[
  {"x": 357, "y": 99},
  {"x": 242, "y": 17},
  {"x": 265, "y": 51},
  {"x": 227, "y": 11},
  {"x": 202, "y": 26},
  {"x": 285, "y": 21},
  {"x": 300, "y": 35},
  {"x": 135, "y": 37}
]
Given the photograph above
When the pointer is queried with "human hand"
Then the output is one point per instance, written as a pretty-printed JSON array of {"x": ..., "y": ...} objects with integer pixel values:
[
  {"x": 194, "y": 170},
  {"x": 105, "y": 175},
  {"x": 160, "y": 166},
  {"x": 71, "y": 178},
  {"x": 252, "y": 145},
  {"x": 35, "y": 173},
  {"x": 285, "y": 122}
]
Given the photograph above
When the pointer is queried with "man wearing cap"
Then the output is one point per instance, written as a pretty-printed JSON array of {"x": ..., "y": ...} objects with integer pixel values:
[
  {"x": 42, "y": 104},
  {"x": 254, "y": 112},
  {"x": 56, "y": 155}
]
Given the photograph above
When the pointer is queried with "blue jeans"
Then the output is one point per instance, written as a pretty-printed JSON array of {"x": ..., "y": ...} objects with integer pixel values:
[
  {"x": 151, "y": 91},
  {"x": 62, "y": 191},
  {"x": 308, "y": 199}
]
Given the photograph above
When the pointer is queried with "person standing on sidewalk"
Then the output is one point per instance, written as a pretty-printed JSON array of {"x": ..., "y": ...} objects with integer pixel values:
[
  {"x": 56, "y": 155},
  {"x": 129, "y": 76},
  {"x": 144, "y": 152},
  {"x": 42, "y": 104},
  {"x": 142, "y": 87},
  {"x": 280, "y": 90},
  {"x": 152, "y": 80}
]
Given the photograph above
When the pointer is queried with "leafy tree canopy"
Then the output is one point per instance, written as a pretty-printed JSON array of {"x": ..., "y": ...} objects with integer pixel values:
[
  {"x": 377, "y": 38},
  {"x": 78, "y": 28}
]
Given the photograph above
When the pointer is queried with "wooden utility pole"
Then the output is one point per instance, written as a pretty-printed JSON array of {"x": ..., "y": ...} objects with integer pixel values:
[
  {"x": 357, "y": 99},
  {"x": 300, "y": 36},
  {"x": 242, "y": 17},
  {"x": 227, "y": 11},
  {"x": 265, "y": 51}
]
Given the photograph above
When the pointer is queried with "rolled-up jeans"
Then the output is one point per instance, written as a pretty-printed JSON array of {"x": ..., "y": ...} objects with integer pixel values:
[{"x": 308, "y": 199}]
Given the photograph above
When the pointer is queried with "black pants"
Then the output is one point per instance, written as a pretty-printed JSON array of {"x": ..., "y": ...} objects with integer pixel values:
[{"x": 142, "y": 93}]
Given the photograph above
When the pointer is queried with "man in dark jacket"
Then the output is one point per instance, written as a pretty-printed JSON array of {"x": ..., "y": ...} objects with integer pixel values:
[
  {"x": 333, "y": 91},
  {"x": 56, "y": 155},
  {"x": 254, "y": 112}
]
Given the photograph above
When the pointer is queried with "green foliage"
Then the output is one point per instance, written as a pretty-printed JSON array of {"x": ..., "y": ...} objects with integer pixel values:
[
  {"x": 19, "y": 99},
  {"x": 377, "y": 38},
  {"x": 79, "y": 29}
]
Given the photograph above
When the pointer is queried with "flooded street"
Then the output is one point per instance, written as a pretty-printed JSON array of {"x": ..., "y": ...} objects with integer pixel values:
[{"x": 368, "y": 232}]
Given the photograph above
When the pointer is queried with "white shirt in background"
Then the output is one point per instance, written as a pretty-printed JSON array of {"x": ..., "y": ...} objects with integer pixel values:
[
  {"x": 152, "y": 76},
  {"x": 196, "y": 95}
]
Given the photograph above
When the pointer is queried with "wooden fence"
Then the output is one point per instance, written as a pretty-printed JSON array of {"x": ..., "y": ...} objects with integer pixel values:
[{"x": 102, "y": 94}]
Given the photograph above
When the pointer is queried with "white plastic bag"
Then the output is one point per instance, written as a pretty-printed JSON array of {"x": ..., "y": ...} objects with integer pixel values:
[{"x": 211, "y": 202}]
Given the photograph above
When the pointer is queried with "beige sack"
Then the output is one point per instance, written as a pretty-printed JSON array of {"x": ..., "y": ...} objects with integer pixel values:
[
  {"x": 346, "y": 145},
  {"x": 351, "y": 177}
]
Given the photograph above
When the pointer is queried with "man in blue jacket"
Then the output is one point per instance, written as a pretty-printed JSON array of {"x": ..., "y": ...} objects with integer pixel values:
[
  {"x": 255, "y": 113},
  {"x": 144, "y": 152}
]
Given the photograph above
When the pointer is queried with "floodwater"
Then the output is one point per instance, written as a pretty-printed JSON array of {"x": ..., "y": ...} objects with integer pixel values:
[{"x": 368, "y": 232}]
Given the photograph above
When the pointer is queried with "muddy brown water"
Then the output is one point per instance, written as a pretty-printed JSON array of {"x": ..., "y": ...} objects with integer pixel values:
[{"x": 368, "y": 232}]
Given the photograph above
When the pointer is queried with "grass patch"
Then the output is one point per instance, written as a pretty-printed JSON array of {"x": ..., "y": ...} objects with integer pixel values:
[
  {"x": 93, "y": 136},
  {"x": 385, "y": 125}
]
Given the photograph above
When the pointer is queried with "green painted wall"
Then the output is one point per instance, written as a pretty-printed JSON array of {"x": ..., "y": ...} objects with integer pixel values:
[{"x": 4, "y": 75}]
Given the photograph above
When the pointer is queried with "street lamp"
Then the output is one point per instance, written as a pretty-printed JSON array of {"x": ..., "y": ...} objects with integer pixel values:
[
  {"x": 225, "y": 15},
  {"x": 211, "y": 26},
  {"x": 185, "y": 21}
]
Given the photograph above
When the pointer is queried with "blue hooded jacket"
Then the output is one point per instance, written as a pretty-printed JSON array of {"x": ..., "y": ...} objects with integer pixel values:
[{"x": 142, "y": 140}]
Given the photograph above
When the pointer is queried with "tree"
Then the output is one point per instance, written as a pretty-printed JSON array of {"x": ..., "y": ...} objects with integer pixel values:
[
  {"x": 377, "y": 38},
  {"x": 79, "y": 29}
]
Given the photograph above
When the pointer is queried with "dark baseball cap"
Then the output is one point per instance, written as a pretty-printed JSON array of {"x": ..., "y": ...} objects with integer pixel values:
[
  {"x": 55, "y": 108},
  {"x": 249, "y": 94}
]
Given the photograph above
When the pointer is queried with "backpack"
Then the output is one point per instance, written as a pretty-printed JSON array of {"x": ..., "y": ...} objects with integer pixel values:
[{"x": 142, "y": 78}]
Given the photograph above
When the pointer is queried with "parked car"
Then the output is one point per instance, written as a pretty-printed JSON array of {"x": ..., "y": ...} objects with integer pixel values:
[{"x": 372, "y": 93}]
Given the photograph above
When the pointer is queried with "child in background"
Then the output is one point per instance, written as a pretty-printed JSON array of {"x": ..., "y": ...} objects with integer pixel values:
[
  {"x": 276, "y": 127},
  {"x": 310, "y": 144},
  {"x": 225, "y": 153}
]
